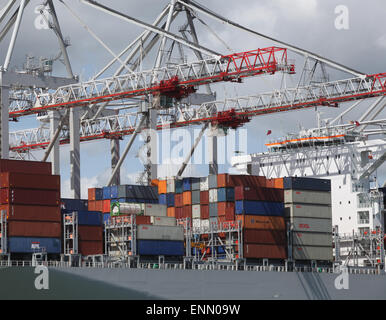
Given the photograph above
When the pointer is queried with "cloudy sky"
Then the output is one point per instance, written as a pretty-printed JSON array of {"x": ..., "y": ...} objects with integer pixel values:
[{"x": 309, "y": 24}]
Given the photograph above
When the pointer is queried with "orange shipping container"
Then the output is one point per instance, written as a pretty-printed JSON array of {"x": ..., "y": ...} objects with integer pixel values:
[
  {"x": 270, "y": 183},
  {"x": 154, "y": 182},
  {"x": 91, "y": 205},
  {"x": 225, "y": 208},
  {"x": 187, "y": 198},
  {"x": 162, "y": 186},
  {"x": 171, "y": 212},
  {"x": 278, "y": 183},
  {"x": 106, "y": 206},
  {"x": 261, "y": 222},
  {"x": 99, "y": 205}
]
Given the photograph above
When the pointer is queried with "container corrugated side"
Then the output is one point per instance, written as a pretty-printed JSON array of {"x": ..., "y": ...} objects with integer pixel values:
[
  {"x": 32, "y": 213},
  {"x": 212, "y": 195},
  {"x": 262, "y": 222},
  {"x": 312, "y": 239},
  {"x": 33, "y": 244},
  {"x": 87, "y": 248},
  {"x": 204, "y": 184},
  {"x": 34, "y": 229},
  {"x": 259, "y": 194},
  {"x": 312, "y": 253},
  {"x": 265, "y": 251},
  {"x": 90, "y": 233},
  {"x": 213, "y": 210},
  {"x": 33, "y": 167},
  {"x": 29, "y": 181},
  {"x": 307, "y": 197},
  {"x": 157, "y": 210},
  {"x": 308, "y": 211},
  {"x": 195, "y": 184},
  {"x": 303, "y": 183},
  {"x": 259, "y": 208},
  {"x": 89, "y": 218},
  {"x": 163, "y": 221},
  {"x": 156, "y": 248},
  {"x": 212, "y": 181},
  {"x": 170, "y": 186},
  {"x": 225, "y": 194},
  {"x": 277, "y": 237},
  {"x": 311, "y": 225},
  {"x": 196, "y": 211},
  {"x": 30, "y": 197},
  {"x": 150, "y": 232},
  {"x": 196, "y": 197}
]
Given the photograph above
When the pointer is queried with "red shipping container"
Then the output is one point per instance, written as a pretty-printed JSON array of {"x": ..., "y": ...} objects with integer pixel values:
[
  {"x": 91, "y": 205},
  {"x": 98, "y": 205},
  {"x": 178, "y": 200},
  {"x": 90, "y": 233},
  {"x": 204, "y": 211},
  {"x": 90, "y": 247},
  {"x": 270, "y": 183},
  {"x": 228, "y": 180},
  {"x": 91, "y": 194},
  {"x": 142, "y": 220},
  {"x": 29, "y": 181},
  {"x": 230, "y": 216},
  {"x": 34, "y": 167},
  {"x": 187, "y": 212},
  {"x": 34, "y": 229},
  {"x": 178, "y": 212},
  {"x": 204, "y": 197},
  {"x": 106, "y": 206},
  {"x": 264, "y": 251},
  {"x": 259, "y": 194},
  {"x": 29, "y": 197},
  {"x": 32, "y": 213},
  {"x": 224, "y": 208},
  {"x": 277, "y": 237}
]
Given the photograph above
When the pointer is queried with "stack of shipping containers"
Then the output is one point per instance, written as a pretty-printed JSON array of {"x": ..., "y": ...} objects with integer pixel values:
[
  {"x": 90, "y": 233},
  {"x": 30, "y": 196},
  {"x": 308, "y": 210}
]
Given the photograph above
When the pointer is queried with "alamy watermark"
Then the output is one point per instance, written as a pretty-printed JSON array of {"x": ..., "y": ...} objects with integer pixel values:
[
  {"x": 342, "y": 281},
  {"x": 42, "y": 280},
  {"x": 342, "y": 21},
  {"x": 41, "y": 21}
]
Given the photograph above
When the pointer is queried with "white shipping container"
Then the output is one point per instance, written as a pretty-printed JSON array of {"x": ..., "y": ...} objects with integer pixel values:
[
  {"x": 163, "y": 221},
  {"x": 149, "y": 232},
  {"x": 312, "y": 253},
  {"x": 308, "y": 211},
  {"x": 311, "y": 225},
  {"x": 158, "y": 210},
  {"x": 196, "y": 223},
  {"x": 204, "y": 184},
  {"x": 307, "y": 197},
  {"x": 170, "y": 186},
  {"x": 213, "y": 195},
  {"x": 205, "y": 223},
  {"x": 196, "y": 211}
]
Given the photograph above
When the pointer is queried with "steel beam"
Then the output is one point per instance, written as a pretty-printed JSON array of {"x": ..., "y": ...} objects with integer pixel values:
[
  {"x": 55, "y": 155},
  {"x": 4, "y": 121}
]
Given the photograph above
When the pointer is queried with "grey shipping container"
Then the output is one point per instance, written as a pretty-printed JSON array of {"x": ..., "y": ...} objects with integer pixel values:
[
  {"x": 163, "y": 221},
  {"x": 308, "y": 211},
  {"x": 213, "y": 211},
  {"x": 307, "y": 197},
  {"x": 158, "y": 210},
  {"x": 196, "y": 197},
  {"x": 311, "y": 225},
  {"x": 212, "y": 181},
  {"x": 195, "y": 183},
  {"x": 151, "y": 232},
  {"x": 312, "y": 239},
  {"x": 312, "y": 253}
]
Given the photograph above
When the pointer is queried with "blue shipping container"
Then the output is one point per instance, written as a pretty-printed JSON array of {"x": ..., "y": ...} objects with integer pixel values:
[
  {"x": 31, "y": 245},
  {"x": 303, "y": 183},
  {"x": 98, "y": 194},
  {"x": 114, "y": 192},
  {"x": 261, "y": 208},
  {"x": 170, "y": 199},
  {"x": 186, "y": 184},
  {"x": 179, "y": 188},
  {"x": 160, "y": 247},
  {"x": 89, "y": 218},
  {"x": 162, "y": 199},
  {"x": 74, "y": 204},
  {"x": 106, "y": 193},
  {"x": 225, "y": 194}
]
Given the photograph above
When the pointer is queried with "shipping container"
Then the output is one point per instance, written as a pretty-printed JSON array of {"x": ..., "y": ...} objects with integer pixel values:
[
  {"x": 163, "y": 221},
  {"x": 204, "y": 197},
  {"x": 120, "y": 208},
  {"x": 212, "y": 195},
  {"x": 307, "y": 197},
  {"x": 171, "y": 212},
  {"x": 114, "y": 192},
  {"x": 230, "y": 215},
  {"x": 311, "y": 225},
  {"x": 34, "y": 244},
  {"x": 278, "y": 183},
  {"x": 90, "y": 233},
  {"x": 312, "y": 239},
  {"x": 140, "y": 220},
  {"x": 156, "y": 248},
  {"x": 178, "y": 201},
  {"x": 186, "y": 184},
  {"x": 213, "y": 210},
  {"x": 312, "y": 253},
  {"x": 29, "y": 181},
  {"x": 106, "y": 206},
  {"x": 30, "y": 197},
  {"x": 34, "y": 229},
  {"x": 224, "y": 208},
  {"x": 162, "y": 199},
  {"x": 106, "y": 193},
  {"x": 91, "y": 205},
  {"x": 74, "y": 204},
  {"x": 20, "y": 166},
  {"x": 196, "y": 211},
  {"x": 179, "y": 212},
  {"x": 170, "y": 199},
  {"x": 151, "y": 232},
  {"x": 196, "y": 197},
  {"x": 265, "y": 251},
  {"x": 187, "y": 198},
  {"x": 259, "y": 194},
  {"x": 187, "y": 212},
  {"x": 179, "y": 188},
  {"x": 277, "y": 237},
  {"x": 157, "y": 210},
  {"x": 262, "y": 222},
  {"x": 302, "y": 183},
  {"x": 263, "y": 208},
  {"x": 204, "y": 211},
  {"x": 228, "y": 180},
  {"x": 225, "y": 194},
  {"x": 98, "y": 205},
  {"x": 89, "y": 218},
  {"x": 204, "y": 184},
  {"x": 162, "y": 187},
  {"x": 88, "y": 248},
  {"x": 32, "y": 213},
  {"x": 212, "y": 181},
  {"x": 308, "y": 211},
  {"x": 126, "y": 191},
  {"x": 170, "y": 186},
  {"x": 195, "y": 184}
]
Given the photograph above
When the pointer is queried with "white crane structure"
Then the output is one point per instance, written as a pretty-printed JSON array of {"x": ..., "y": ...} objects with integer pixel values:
[{"x": 166, "y": 96}]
